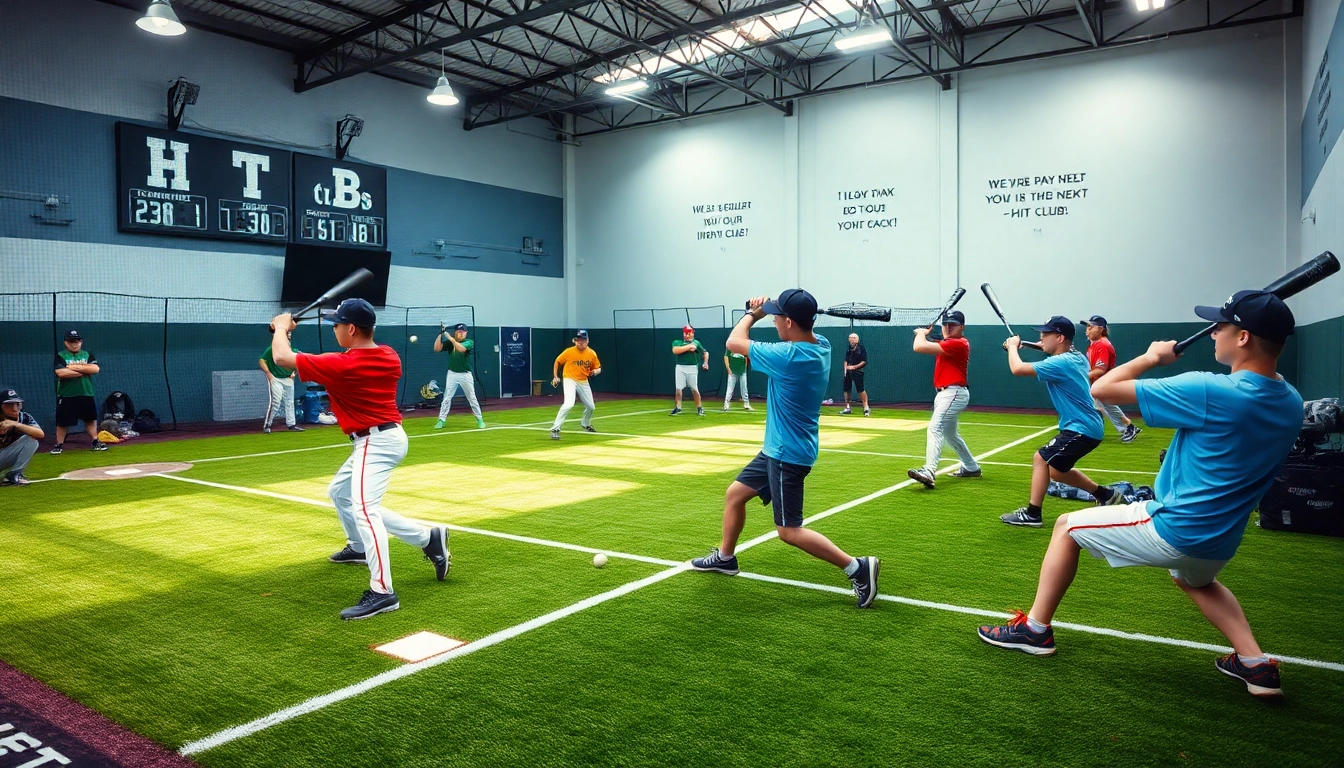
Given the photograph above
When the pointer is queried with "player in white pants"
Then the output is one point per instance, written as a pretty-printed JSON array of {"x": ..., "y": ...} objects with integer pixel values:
[
  {"x": 580, "y": 363},
  {"x": 736, "y": 366},
  {"x": 953, "y": 355},
  {"x": 459, "y": 373},
  {"x": 280, "y": 381}
]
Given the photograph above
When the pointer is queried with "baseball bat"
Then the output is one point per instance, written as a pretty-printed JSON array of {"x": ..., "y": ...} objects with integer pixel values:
[
  {"x": 951, "y": 302},
  {"x": 1291, "y": 284},
  {"x": 998, "y": 310},
  {"x": 851, "y": 311},
  {"x": 351, "y": 280}
]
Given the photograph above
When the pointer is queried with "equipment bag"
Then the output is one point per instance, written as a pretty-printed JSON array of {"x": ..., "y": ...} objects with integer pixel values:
[
  {"x": 1307, "y": 496},
  {"x": 118, "y": 406},
  {"x": 146, "y": 422}
]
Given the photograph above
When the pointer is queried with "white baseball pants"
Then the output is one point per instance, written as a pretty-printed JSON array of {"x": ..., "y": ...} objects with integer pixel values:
[
  {"x": 1113, "y": 412},
  {"x": 947, "y": 406},
  {"x": 451, "y": 382},
  {"x": 282, "y": 396},
  {"x": 357, "y": 491},
  {"x": 737, "y": 378},
  {"x": 584, "y": 391}
]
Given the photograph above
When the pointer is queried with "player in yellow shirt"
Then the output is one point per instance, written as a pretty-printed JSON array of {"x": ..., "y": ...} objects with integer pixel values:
[{"x": 580, "y": 363}]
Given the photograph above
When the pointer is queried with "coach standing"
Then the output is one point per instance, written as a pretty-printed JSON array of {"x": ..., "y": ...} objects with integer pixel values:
[
  {"x": 692, "y": 357},
  {"x": 952, "y": 356},
  {"x": 281, "y": 390},
  {"x": 75, "y": 369},
  {"x": 856, "y": 361}
]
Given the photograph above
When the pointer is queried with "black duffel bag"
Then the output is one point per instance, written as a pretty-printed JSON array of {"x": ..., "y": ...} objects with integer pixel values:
[{"x": 1307, "y": 496}]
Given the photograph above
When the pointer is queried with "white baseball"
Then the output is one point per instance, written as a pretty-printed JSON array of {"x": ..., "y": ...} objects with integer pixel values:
[
  {"x": 599, "y": 560},
  {"x": 414, "y": 339}
]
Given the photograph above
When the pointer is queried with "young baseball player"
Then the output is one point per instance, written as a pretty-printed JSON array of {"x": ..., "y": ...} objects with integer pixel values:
[
  {"x": 580, "y": 363},
  {"x": 856, "y": 362},
  {"x": 736, "y": 365},
  {"x": 799, "y": 368},
  {"x": 75, "y": 369},
  {"x": 281, "y": 385},
  {"x": 692, "y": 357},
  {"x": 951, "y": 357},
  {"x": 362, "y": 385},
  {"x": 459, "y": 372},
  {"x": 19, "y": 433},
  {"x": 1064, "y": 374},
  {"x": 1100, "y": 359},
  {"x": 1232, "y": 433}
]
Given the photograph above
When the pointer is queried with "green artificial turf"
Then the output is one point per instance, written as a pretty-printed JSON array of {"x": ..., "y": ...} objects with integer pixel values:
[{"x": 180, "y": 610}]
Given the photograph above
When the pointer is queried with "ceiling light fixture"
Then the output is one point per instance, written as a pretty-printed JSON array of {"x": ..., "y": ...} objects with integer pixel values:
[
  {"x": 866, "y": 34},
  {"x": 628, "y": 87},
  {"x": 442, "y": 95},
  {"x": 159, "y": 19}
]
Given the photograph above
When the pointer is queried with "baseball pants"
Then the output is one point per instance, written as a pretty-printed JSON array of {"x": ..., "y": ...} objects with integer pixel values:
[
  {"x": 451, "y": 382},
  {"x": 1113, "y": 412},
  {"x": 14, "y": 457},
  {"x": 357, "y": 491},
  {"x": 688, "y": 376},
  {"x": 584, "y": 391},
  {"x": 282, "y": 396},
  {"x": 733, "y": 379},
  {"x": 947, "y": 406}
]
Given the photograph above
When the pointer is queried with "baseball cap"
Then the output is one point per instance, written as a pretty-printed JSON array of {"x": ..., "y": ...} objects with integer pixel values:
[
  {"x": 1096, "y": 320},
  {"x": 1057, "y": 324},
  {"x": 460, "y": 327},
  {"x": 955, "y": 317},
  {"x": 1260, "y": 312},
  {"x": 8, "y": 396},
  {"x": 687, "y": 329},
  {"x": 796, "y": 304},
  {"x": 73, "y": 336},
  {"x": 353, "y": 311},
  {"x": 581, "y": 335}
]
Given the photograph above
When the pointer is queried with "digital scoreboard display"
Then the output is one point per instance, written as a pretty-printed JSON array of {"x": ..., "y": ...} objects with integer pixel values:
[
  {"x": 340, "y": 204},
  {"x": 177, "y": 183}
]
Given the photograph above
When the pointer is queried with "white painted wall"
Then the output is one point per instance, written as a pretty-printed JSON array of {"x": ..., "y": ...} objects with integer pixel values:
[{"x": 1326, "y": 200}]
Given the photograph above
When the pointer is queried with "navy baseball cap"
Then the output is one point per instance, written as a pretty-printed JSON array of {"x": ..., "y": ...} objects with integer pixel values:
[
  {"x": 955, "y": 317},
  {"x": 460, "y": 327},
  {"x": 353, "y": 311},
  {"x": 73, "y": 336},
  {"x": 8, "y": 396},
  {"x": 1260, "y": 312},
  {"x": 581, "y": 335},
  {"x": 796, "y": 304},
  {"x": 1057, "y": 324},
  {"x": 1096, "y": 320}
]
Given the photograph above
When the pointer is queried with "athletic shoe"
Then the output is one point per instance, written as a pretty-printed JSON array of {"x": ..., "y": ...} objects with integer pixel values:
[
  {"x": 349, "y": 555},
  {"x": 845, "y": 412},
  {"x": 1262, "y": 680},
  {"x": 725, "y": 407},
  {"x": 674, "y": 412},
  {"x": 1130, "y": 433},
  {"x": 590, "y": 428},
  {"x": 865, "y": 581},
  {"x": 265, "y": 430},
  {"x": 921, "y": 476},
  {"x": 98, "y": 446},
  {"x": 294, "y": 428},
  {"x": 438, "y": 424},
  {"x": 371, "y": 604},
  {"x": 964, "y": 472},
  {"x": 716, "y": 562},
  {"x": 747, "y": 407},
  {"x": 555, "y": 434},
  {"x": 1116, "y": 498},
  {"x": 867, "y": 412},
  {"x": 1018, "y": 636},
  {"x": 699, "y": 411},
  {"x": 14, "y": 478},
  {"x": 437, "y": 551},
  {"x": 480, "y": 423},
  {"x": 56, "y": 449},
  {"x": 1022, "y": 517}
]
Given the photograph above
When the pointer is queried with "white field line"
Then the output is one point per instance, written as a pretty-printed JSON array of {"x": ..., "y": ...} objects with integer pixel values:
[{"x": 1061, "y": 624}]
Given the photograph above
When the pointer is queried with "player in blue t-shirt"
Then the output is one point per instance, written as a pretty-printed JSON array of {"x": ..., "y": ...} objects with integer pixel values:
[
  {"x": 799, "y": 368},
  {"x": 1064, "y": 374},
  {"x": 1232, "y": 433}
]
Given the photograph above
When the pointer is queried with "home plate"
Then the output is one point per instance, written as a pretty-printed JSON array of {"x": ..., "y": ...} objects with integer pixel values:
[
  {"x": 126, "y": 471},
  {"x": 418, "y": 647}
]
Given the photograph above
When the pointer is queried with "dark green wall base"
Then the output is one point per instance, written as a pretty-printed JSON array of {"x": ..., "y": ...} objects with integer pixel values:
[{"x": 1320, "y": 371}]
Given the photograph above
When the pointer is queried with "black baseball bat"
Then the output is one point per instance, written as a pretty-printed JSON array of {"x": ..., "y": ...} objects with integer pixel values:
[
  {"x": 998, "y": 310},
  {"x": 852, "y": 311},
  {"x": 351, "y": 280},
  {"x": 1291, "y": 284},
  {"x": 951, "y": 302}
]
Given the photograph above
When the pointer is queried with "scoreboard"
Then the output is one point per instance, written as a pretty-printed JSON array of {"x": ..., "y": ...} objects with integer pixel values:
[
  {"x": 176, "y": 183},
  {"x": 339, "y": 203}
]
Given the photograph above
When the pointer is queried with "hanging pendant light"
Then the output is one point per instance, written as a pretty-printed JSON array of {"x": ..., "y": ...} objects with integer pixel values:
[
  {"x": 442, "y": 95},
  {"x": 159, "y": 19}
]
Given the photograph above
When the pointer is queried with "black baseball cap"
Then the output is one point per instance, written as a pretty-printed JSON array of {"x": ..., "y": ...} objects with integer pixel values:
[
  {"x": 73, "y": 336},
  {"x": 1096, "y": 320},
  {"x": 353, "y": 311},
  {"x": 955, "y": 317},
  {"x": 581, "y": 335},
  {"x": 460, "y": 327},
  {"x": 796, "y": 304},
  {"x": 1057, "y": 324},
  {"x": 8, "y": 396},
  {"x": 1260, "y": 312}
]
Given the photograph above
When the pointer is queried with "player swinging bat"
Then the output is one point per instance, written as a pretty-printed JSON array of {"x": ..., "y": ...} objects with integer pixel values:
[{"x": 998, "y": 310}]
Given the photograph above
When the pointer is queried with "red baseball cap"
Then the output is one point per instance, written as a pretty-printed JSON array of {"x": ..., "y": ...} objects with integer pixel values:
[{"x": 687, "y": 329}]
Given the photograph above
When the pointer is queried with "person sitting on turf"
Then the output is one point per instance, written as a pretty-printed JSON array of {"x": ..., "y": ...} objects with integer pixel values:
[
  {"x": 1232, "y": 434},
  {"x": 19, "y": 434}
]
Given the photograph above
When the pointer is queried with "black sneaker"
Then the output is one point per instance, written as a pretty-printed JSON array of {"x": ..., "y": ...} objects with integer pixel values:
[
  {"x": 56, "y": 449},
  {"x": 371, "y": 604},
  {"x": 674, "y": 412},
  {"x": 1116, "y": 497},
  {"x": 294, "y": 428},
  {"x": 98, "y": 446},
  {"x": 437, "y": 551},
  {"x": 555, "y": 434},
  {"x": 349, "y": 555},
  {"x": 1130, "y": 433},
  {"x": 716, "y": 562},
  {"x": 1017, "y": 635},
  {"x": 865, "y": 581},
  {"x": 265, "y": 430},
  {"x": 1022, "y": 517},
  {"x": 590, "y": 428},
  {"x": 15, "y": 478},
  {"x": 1262, "y": 680},
  {"x": 964, "y": 472},
  {"x": 867, "y": 412},
  {"x": 700, "y": 411},
  {"x": 921, "y": 476}
]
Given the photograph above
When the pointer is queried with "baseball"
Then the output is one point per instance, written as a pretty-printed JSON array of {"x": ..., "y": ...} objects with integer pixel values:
[
  {"x": 414, "y": 339},
  {"x": 599, "y": 560}
]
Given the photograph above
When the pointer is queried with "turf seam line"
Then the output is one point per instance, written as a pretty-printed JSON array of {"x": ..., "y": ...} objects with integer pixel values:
[{"x": 1139, "y": 636}]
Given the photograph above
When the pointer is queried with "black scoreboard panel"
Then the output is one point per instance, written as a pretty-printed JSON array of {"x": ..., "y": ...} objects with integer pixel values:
[
  {"x": 176, "y": 183},
  {"x": 339, "y": 204}
]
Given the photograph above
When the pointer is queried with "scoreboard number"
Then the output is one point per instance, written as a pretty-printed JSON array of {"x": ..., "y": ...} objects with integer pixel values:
[
  {"x": 343, "y": 204},
  {"x": 258, "y": 219},
  {"x": 157, "y": 209}
]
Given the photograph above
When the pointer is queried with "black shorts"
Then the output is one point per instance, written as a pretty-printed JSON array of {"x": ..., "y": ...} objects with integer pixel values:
[
  {"x": 855, "y": 378},
  {"x": 1066, "y": 448},
  {"x": 778, "y": 484},
  {"x": 72, "y": 410}
]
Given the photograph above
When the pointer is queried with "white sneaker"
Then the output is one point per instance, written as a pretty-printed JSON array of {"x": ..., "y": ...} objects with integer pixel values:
[
  {"x": 747, "y": 407},
  {"x": 845, "y": 412},
  {"x": 725, "y": 406}
]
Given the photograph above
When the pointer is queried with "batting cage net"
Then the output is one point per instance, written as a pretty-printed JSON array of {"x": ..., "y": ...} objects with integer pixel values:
[{"x": 643, "y": 340}]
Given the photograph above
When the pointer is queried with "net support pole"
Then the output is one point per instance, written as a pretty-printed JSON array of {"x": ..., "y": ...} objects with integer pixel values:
[{"x": 167, "y": 382}]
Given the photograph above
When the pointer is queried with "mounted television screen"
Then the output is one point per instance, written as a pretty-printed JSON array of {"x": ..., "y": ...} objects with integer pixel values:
[{"x": 311, "y": 270}]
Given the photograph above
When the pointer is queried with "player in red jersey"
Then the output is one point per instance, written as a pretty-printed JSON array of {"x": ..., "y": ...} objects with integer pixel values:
[
  {"x": 953, "y": 355},
  {"x": 362, "y": 385},
  {"x": 1101, "y": 361}
]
